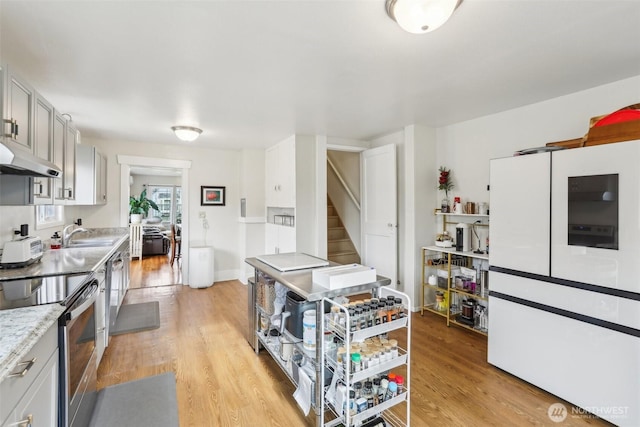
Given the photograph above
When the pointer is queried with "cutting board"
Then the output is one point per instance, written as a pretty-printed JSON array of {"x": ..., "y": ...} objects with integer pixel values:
[{"x": 292, "y": 261}]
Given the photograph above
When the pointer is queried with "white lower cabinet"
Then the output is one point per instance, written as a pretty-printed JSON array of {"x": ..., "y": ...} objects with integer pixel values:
[
  {"x": 279, "y": 239},
  {"x": 29, "y": 396}
]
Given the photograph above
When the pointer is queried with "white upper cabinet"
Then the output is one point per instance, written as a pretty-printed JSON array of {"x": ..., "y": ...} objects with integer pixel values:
[
  {"x": 43, "y": 148},
  {"x": 91, "y": 174},
  {"x": 65, "y": 137},
  {"x": 520, "y": 213},
  {"x": 59, "y": 123},
  {"x": 18, "y": 113},
  {"x": 280, "y": 176}
]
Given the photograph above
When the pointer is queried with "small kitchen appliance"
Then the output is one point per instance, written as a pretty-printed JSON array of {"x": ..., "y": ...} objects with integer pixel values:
[
  {"x": 463, "y": 239},
  {"x": 21, "y": 252}
]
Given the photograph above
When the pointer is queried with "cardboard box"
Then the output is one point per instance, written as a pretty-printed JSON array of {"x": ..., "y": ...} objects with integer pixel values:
[{"x": 343, "y": 276}]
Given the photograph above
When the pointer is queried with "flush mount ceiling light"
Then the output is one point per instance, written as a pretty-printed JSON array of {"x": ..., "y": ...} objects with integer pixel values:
[
  {"x": 186, "y": 133},
  {"x": 421, "y": 16}
]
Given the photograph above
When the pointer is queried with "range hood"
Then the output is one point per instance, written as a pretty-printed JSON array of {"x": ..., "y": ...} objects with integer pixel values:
[{"x": 18, "y": 162}]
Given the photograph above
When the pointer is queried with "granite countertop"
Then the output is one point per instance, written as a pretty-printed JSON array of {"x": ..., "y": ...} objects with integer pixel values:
[
  {"x": 70, "y": 261},
  {"x": 20, "y": 330}
]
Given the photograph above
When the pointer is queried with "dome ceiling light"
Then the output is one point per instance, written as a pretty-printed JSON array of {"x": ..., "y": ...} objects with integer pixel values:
[
  {"x": 421, "y": 16},
  {"x": 186, "y": 133}
]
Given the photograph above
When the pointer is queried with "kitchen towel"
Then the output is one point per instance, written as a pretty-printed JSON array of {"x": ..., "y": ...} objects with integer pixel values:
[{"x": 303, "y": 392}]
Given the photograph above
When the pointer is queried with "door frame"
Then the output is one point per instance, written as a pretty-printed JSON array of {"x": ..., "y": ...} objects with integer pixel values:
[{"x": 126, "y": 162}]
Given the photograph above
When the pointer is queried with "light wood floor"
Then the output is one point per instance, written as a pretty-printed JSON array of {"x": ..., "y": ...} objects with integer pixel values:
[
  {"x": 155, "y": 270},
  {"x": 222, "y": 382}
]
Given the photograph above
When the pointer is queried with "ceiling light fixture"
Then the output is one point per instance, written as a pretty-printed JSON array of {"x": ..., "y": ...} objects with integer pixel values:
[
  {"x": 186, "y": 133},
  {"x": 421, "y": 16}
]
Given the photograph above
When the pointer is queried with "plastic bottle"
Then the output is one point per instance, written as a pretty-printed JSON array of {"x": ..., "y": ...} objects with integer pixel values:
[
  {"x": 356, "y": 363},
  {"x": 382, "y": 390},
  {"x": 394, "y": 348},
  {"x": 392, "y": 391},
  {"x": 56, "y": 241},
  {"x": 400, "y": 383},
  {"x": 367, "y": 393},
  {"x": 353, "y": 320},
  {"x": 362, "y": 320},
  {"x": 376, "y": 388}
]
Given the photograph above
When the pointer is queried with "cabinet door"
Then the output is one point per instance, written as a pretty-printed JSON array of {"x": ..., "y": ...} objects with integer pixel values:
[
  {"x": 69, "y": 173},
  {"x": 271, "y": 239},
  {"x": 520, "y": 213},
  {"x": 40, "y": 403},
  {"x": 271, "y": 180},
  {"x": 43, "y": 148},
  {"x": 101, "y": 179},
  {"x": 287, "y": 175},
  {"x": 286, "y": 239},
  {"x": 19, "y": 104},
  {"x": 58, "y": 157}
]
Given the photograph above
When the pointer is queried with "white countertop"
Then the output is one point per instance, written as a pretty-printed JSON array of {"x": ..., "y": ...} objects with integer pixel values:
[{"x": 20, "y": 330}]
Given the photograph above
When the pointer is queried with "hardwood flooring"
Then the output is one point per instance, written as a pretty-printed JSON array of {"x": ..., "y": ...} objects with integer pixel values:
[
  {"x": 222, "y": 382},
  {"x": 155, "y": 271}
]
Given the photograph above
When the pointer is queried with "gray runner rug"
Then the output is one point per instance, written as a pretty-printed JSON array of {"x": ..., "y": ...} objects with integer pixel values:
[
  {"x": 149, "y": 401},
  {"x": 136, "y": 318}
]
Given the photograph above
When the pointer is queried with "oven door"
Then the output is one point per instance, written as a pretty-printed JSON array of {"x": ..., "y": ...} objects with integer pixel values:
[
  {"x": 595, "y": 207},
  {"x": 78, "y": 358}
]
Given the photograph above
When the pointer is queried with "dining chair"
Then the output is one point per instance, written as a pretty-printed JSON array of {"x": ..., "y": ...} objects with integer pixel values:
[{"x": 176, "y": 244}]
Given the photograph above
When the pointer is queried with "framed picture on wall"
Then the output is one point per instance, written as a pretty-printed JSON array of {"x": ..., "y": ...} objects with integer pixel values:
[{"x": 212, "y": 196}]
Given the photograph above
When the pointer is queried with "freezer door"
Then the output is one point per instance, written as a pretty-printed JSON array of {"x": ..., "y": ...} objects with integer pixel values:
[{"x": 520, "y": 213}]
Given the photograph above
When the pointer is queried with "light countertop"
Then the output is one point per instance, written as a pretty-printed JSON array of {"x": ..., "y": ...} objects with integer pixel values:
[
  {"x": 20, "y": 330},
  {"x": 70, "y": 261}
]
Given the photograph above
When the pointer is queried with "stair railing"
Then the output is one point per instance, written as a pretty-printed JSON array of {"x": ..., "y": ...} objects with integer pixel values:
[{"x": 344, "y": 184}]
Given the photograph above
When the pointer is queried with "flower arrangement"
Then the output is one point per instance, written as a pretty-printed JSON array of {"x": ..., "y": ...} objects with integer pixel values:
[{"x": 444, "y": 180}]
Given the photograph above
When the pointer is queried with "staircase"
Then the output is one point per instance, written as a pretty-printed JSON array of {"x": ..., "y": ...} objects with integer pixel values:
[{"x": 340, "y": 248}]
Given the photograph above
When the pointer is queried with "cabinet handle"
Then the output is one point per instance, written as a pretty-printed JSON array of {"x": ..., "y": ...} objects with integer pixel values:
[
  {"x": 25, "y": 370},
  {"x": 37, "y": 188},
  {"x": 16, "y": 127},
  {"x": 24, "y": 423},
  {"x": 12, "y": 129}
]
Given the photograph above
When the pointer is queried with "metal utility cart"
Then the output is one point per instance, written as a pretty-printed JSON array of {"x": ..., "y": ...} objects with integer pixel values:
[{"x": 300, "y": 281}]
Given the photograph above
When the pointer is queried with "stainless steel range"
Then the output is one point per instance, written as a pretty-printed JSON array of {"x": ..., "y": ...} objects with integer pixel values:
[{"x": 76, "y": 336}]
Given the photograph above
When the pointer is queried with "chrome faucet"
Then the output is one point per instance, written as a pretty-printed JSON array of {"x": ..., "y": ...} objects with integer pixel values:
[{"x": 66, "y": 235}]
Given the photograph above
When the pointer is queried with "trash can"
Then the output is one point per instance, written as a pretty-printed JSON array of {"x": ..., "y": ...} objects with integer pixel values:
[{"x": 201, "y": 266}]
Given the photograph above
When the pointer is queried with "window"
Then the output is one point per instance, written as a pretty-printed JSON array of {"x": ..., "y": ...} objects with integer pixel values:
[
  {"x": 49, "y": 216},
  {"x": 169, "y": 201}
]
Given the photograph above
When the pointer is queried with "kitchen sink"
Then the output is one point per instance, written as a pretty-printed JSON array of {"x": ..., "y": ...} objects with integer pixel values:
[{"x": 92, "y": 242}]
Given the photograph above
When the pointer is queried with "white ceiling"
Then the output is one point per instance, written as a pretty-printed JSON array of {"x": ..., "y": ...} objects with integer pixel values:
[{"x": 251, "y": 73}]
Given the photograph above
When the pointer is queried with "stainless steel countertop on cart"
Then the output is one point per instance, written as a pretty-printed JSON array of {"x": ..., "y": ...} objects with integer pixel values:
[{"x": 301, "y": 283}]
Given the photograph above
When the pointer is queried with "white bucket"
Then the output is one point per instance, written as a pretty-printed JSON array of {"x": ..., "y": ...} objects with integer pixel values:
[{"x": 309, "y": 330}]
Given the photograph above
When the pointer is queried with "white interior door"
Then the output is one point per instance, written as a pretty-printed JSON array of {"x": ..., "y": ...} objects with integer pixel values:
[{"x": 379, "y": 214}]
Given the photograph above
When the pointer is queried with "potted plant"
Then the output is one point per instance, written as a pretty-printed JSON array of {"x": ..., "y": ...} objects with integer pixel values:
[{"x": 140, "y": 206}]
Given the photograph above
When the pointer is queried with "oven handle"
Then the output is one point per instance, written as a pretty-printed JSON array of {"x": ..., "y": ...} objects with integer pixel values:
[{"x": 88, "y": 300}]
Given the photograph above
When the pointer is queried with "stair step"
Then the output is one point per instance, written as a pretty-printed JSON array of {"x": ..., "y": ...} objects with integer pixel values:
[
  {"x": 340, "y": 245},
  {"x": 345, "y": 257},
  {"x": 335, "y": 233},
  {"x": 333, "y": 221}
]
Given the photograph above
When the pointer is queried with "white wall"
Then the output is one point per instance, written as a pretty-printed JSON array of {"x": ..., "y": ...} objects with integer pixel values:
[
  {"x": 467, "y": 147},
  {"x": 209, "y": 167},
  {"x": 251, "y": 239}
]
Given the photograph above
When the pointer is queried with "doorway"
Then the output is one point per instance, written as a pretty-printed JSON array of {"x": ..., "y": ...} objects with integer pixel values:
[{"x": 141, "y": 172}]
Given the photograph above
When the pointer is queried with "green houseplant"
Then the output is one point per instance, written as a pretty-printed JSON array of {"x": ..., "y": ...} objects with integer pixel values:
[{"x": 140, "y": 206}]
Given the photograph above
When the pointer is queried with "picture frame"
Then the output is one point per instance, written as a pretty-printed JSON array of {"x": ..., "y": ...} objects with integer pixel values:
[{"x": 212, "y": 195}]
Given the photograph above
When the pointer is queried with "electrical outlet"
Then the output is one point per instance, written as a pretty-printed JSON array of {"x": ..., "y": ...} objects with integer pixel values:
[{"x": 202, "y": 214}]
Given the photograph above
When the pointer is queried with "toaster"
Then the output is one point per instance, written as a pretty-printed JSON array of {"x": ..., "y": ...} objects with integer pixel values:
[{"x": 21, "y": 252}]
